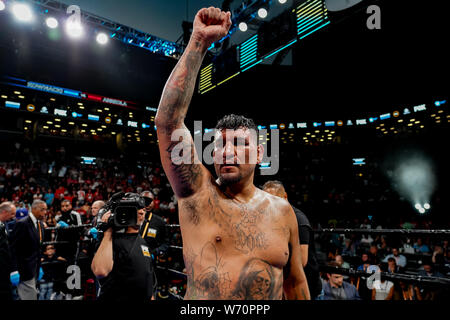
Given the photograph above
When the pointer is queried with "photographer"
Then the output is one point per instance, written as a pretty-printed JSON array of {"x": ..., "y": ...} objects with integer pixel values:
[
  {"x": 123, "y": 263},
  {"x": 154, "y": 230}
]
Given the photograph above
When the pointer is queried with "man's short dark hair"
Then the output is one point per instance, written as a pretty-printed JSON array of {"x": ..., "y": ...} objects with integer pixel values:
[
  {"x": 234, "y": 122},
  {"x": 392, "y": 260}
]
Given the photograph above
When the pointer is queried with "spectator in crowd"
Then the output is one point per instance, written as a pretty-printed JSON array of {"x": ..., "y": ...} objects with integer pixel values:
[
  {"x": 392, "y": 266},
  {"x": 438, "y": 259},
  {"x": 374, "y": 254},
  {"x": 57, "y": 202},
  {"x": 399, "y": 258},
  {"x": 25, "y": 246},
  {"x": 428, "y": 270},
  {"x": 49, "y": 263},
  {"x": 7, "y": 212},
  {"x": 421, "y": 247},
  {"x": 341, "y": 263},
  {"x": 349, "y": 248},
  {"x": 382, "y": 289},
  {"x": 49, "y": 197},
  {"x": 338, "y": 289},
  {"x": 365, "y": 263},
  {"x": 364, "y": 292},
  {"x": 430, "y": 293},
  {"x": 81, "y": 194}
]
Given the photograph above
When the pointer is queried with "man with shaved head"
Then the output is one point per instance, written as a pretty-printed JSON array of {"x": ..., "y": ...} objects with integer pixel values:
[{"x": 306, "y": 237}]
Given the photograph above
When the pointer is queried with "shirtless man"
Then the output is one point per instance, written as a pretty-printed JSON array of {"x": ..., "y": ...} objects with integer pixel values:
[{"x": 239, "y": 242}]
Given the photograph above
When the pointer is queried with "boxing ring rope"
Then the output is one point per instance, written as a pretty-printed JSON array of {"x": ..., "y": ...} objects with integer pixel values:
[
  {"x": 432, "y": 281},
  {"x": 415, "y": 279},
  {"x": 69, "y": 227},
  {"x": 423, "y": 232}
]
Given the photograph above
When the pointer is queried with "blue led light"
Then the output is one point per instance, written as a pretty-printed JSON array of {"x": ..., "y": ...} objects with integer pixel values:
[
  {"x": 93, "y": 117},
  {"x": 252, "y": 65},
  {"x": 11, "y": 104},
  {"x": 307, "y": 25},
  {"x": 248, "y": 53},
  {"x": 275, "y": 52},
  {"x": 72, "y": 93},
  {"x": 315, "y": 30},
  {"x": 249, "y": 46},
  {"x": 247, "y": 62}
]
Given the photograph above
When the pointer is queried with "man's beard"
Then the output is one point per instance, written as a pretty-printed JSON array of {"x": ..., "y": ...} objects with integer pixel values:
[{"x": 231, "y": 180}]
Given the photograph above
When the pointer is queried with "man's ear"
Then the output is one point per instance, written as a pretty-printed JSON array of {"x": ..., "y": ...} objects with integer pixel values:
[{"x": 285, "y": 195}]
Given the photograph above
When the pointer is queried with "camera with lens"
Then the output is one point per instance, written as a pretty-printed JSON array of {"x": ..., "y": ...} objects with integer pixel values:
[{"x": 124, "y": 208}]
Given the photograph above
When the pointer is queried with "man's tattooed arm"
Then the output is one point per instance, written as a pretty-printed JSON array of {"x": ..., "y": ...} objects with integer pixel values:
[{"x": 179, "y": 157}]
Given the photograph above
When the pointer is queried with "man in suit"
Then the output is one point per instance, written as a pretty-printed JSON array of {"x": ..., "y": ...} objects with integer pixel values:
[
  {"x": 7, "y": 212},
  {"x": 338, "y": 289},
  {"x": 25, "y": 245}
]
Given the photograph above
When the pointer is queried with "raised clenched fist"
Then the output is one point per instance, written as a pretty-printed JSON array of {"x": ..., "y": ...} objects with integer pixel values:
[{"x": 210, "y": 25}]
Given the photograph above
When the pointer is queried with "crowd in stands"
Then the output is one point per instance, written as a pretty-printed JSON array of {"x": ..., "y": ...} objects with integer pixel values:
[{"x": 56, "y": 175}]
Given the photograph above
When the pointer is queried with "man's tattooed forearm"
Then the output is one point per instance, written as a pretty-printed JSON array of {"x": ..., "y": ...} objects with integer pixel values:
[{"x": 178, "y": 91}]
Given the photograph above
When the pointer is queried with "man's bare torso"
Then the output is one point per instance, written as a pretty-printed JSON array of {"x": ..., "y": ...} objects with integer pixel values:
[{"x": 234, "y": 250}]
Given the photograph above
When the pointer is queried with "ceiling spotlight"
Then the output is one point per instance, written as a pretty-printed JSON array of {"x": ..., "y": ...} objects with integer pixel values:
[
  {"x": 418, "y": 206},
  {"x": 102, "y": 38},
  {"x": 22, "y": 12},
  {"x": 74, "y": 29},
  {"x": 2, "y": 6},
  {"x": 427, "y": 206},
  {"x": 282, "y": 1},
  {"x": 51, "y": 22},
  {"x": 243, "y": 26},
  {"x": 262, "y": 13}
]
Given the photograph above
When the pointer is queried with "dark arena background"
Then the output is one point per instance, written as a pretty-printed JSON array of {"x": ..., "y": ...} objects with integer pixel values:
[{"x": 361, "y": 111}]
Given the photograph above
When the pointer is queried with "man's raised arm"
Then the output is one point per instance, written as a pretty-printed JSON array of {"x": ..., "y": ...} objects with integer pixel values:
[{"x": 178, "y": 155}]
